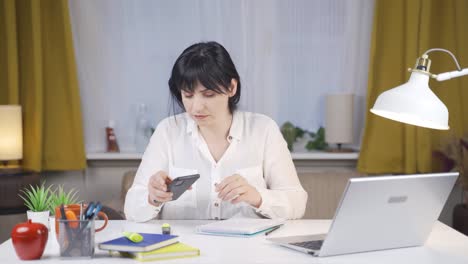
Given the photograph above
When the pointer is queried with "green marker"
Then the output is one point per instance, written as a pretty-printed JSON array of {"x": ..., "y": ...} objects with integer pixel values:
[
  {"x": 132, "y": 236},
  {"x": 166, "y": 229}
]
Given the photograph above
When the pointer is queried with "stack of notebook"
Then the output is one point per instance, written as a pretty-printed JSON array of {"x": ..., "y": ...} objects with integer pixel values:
[{"x": 152, "y": 247}]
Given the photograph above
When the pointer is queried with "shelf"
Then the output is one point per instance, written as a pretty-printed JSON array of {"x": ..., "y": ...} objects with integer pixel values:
[
  {"x": 316, "y": 155},
  {"x": 319, "y": 155},
  {"x": 113, "y": 156}
]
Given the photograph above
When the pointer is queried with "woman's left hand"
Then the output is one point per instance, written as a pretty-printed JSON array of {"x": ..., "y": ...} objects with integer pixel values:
[{"x": 236, "y": 189}]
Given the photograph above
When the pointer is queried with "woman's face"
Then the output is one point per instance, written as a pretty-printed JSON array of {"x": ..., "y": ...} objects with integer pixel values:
[{"x": 206, "y": 106}]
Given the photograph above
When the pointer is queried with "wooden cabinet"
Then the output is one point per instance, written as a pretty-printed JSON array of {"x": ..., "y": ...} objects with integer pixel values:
[
  {"x": 12, "y": 181},
  {"x": 12, "y": 209}
]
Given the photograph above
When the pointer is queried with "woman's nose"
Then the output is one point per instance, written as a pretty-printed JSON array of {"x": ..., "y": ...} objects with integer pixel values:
[{"x": 198, "y": 103}]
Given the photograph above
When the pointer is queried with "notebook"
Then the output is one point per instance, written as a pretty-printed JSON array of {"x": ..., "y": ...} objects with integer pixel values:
[
  {"x": 239, "y": 226},
  {"x": 150, "y": 242},
  {"x": 177, "y": 250}
]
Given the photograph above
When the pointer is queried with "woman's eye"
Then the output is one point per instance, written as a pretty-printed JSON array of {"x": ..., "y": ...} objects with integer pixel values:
[{"x": 187, "y": 95}]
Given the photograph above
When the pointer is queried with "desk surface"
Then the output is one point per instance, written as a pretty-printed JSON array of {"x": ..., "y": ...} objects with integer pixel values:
[{"x": 444, "y": 245}]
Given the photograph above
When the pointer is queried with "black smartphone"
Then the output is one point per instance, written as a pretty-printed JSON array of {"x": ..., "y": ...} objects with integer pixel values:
[{"x": 179, "y": 185}]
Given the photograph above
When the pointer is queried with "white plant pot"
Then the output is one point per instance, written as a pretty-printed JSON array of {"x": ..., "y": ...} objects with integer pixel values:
[
  {"x": 52, "y": 224},
  {"x": 39, "y": 217}
]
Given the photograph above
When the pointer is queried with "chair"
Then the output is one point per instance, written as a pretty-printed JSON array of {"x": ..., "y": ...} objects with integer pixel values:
[{"x": 115, "y": 209}]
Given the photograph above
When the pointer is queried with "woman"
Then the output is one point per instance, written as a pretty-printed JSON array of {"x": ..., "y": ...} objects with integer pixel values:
[{"x": 244, "y": 165}]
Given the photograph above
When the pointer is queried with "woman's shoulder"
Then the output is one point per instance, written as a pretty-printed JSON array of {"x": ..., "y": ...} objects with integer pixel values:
[
  {"x": 256, "y": 120},
  {"x": 172, "y": 123}
]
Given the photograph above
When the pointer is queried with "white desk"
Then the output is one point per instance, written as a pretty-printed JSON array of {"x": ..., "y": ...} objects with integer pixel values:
[{"x": 444, "y": 245}]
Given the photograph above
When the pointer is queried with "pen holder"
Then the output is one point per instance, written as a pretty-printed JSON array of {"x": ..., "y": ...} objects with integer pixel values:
[
  {"x": 76, "y": 238},
  {"x": 77, "y": 210}
]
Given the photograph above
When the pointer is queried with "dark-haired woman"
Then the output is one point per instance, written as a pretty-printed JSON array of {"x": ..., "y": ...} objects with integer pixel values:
[{"x": 244, "y": 164}]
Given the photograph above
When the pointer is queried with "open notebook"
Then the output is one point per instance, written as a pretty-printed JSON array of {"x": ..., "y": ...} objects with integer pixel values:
[{"x": 239, "y": 226}]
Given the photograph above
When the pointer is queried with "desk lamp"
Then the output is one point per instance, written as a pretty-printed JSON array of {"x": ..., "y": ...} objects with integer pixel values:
[
  {"x": 11, "y": 134},
  {"x": 413, "y": 102},
  {"x": 339, "y": 119}
]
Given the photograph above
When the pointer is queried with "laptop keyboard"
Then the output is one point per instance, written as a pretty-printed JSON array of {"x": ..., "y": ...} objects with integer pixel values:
[{"x": 316, "y": 244}]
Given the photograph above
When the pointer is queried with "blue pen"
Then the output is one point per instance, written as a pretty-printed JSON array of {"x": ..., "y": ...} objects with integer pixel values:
[
  {"x": 89, "y": 211},
  {"x": 93, "y": 210},
  {"x": 96, "y": 210}
]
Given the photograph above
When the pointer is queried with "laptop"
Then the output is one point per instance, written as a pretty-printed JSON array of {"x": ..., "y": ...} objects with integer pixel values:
[{"x": 377, "y": 213}]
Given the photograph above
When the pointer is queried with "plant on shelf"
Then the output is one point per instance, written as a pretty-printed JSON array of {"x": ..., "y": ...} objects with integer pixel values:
[
  {"x": 453, "y": 156},
  {"x": 59, "y": 196},
  {"x": 318, "y": 140},
  {"x": 291, "y": 133},
  {"x": 37, "y": 199}
]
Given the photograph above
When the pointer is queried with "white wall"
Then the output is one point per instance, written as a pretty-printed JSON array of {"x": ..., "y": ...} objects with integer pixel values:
[{"x": 289, "y": 53}]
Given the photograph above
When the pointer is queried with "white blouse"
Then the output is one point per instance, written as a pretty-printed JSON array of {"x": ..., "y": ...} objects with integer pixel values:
[{"x": 257, "y": 151}]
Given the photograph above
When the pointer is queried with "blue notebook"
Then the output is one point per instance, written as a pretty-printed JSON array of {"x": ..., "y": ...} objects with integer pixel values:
[{"x": 150, "y": 242}]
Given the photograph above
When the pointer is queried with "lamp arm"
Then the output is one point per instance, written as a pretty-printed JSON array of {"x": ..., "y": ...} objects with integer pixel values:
[
  {"x": 446, "y": 75},
  {"x": 449, "y": 75},
  {"x": 446, "y": 51}
]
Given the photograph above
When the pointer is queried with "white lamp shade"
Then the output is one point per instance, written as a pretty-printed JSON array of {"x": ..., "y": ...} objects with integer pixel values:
[
  {"x": 11, "y": 133},
  {"x": 413, "y": 103},
  {"x": 339, "y": 118}
]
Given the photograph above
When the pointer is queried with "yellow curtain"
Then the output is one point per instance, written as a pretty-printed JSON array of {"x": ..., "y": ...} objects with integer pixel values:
[
  {"x": 402, "y": 31},
  {"x": 38, "y": 71}
]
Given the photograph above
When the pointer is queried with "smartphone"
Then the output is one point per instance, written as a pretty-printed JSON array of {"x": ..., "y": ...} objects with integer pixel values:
[{"x": 179, "y": 185}]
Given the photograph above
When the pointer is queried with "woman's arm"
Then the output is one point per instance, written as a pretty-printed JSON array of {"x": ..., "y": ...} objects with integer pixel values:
[
  {"x": 284, "y": 196},
  {"x": 137, "y": 206}
]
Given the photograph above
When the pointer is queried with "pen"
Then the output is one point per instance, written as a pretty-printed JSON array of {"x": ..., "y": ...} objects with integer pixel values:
[
  {"x": 81, "y": 211},
  {"x": 271, "y": 230}
]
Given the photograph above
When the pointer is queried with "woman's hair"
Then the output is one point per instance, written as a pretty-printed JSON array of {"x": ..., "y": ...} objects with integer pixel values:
[{"x": 209, "y": 64}]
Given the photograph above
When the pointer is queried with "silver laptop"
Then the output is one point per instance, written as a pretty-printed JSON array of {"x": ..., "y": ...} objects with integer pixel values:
[{"x": 378, "y": 213}]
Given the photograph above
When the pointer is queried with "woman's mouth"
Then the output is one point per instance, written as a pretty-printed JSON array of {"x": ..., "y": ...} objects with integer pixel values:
[{"x": 200, "y": 117}]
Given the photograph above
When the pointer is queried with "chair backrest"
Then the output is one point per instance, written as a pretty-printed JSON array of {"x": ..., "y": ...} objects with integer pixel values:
[{"x": 127, "y": 182}]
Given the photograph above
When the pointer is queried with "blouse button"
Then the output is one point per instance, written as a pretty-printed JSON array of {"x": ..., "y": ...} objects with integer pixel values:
[
  {"x": 216, "y": 204},
  {"x": 230, "y": 137}
]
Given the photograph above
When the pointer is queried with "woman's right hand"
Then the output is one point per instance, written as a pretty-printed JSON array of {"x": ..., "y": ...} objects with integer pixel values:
[{"x": 157, "y": 188}]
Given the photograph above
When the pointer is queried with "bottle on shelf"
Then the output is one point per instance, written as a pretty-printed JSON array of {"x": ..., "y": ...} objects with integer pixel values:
[
  {"x": 143, "y": 128},
  {"x": 111, "y": 139}
]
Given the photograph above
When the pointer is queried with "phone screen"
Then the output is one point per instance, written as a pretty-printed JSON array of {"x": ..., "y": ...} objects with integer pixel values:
[{"x": 180, "y": 184}]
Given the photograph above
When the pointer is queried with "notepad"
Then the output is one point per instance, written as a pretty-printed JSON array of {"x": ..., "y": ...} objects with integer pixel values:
[
  {"x": 150, "y": 242},
  {"x": 239, "y": 227},
  {"x": 177, "y": 250}
]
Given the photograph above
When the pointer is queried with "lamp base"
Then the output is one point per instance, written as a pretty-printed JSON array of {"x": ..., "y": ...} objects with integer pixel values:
[
  {"x": 339, "y": 149},
  {"x": 6, "y": 169}
]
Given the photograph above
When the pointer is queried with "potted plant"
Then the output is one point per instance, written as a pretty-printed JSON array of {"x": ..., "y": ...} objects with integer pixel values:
[
  {"x": 454, "y": 157},
  {"x": 37, "y": 200},
  {"x": 292, "y": 133},
  {"x": 460, "y": 212},
  {"x": 61, "y": 197}
]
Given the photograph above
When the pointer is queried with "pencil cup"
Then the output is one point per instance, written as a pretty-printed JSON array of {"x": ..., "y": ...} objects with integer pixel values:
[
  {"x": 76, "y": 238},
  {"x": 77, "y": 209}
]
